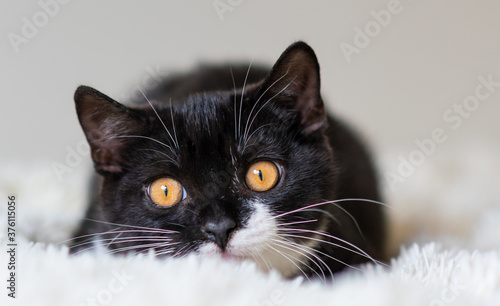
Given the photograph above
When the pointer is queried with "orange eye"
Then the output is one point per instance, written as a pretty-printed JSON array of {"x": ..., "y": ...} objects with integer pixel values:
[
  {"x": 262, "y": 176},
  {"x": 166, "y": 192}
]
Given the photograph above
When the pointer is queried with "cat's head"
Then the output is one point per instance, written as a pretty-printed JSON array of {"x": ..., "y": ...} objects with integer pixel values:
[{"x": 219, "y": 172}]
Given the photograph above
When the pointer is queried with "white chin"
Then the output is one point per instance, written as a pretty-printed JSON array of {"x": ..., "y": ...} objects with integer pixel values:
[{"x": 255, "y": 242}]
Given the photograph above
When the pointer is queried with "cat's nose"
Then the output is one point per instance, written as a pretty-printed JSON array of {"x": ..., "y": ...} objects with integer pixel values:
[{"x": 219, "y": 232}]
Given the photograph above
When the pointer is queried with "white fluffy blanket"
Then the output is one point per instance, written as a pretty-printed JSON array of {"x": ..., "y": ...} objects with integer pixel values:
[{"x": 445, "y": 221}]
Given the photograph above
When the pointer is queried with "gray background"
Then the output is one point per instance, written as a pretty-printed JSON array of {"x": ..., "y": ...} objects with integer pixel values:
[{"x": 396, "y": 90}]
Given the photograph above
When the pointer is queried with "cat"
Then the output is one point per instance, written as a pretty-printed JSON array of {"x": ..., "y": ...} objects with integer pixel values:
[{"x": 240, "y": 162}]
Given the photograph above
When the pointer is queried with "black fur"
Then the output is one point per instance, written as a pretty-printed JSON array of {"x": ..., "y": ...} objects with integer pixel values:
[{"x": 319, "y": 158}]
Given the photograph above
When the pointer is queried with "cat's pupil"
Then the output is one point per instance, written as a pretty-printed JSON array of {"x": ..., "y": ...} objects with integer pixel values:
[
  {"x": 165, "y": 190},
  {"x": 233, "y": 217},
  {"x": 261, "y": 176}
]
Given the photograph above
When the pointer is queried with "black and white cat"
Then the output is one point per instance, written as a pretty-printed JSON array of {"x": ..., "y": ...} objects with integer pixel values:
[{"x": 239, "y": 162}]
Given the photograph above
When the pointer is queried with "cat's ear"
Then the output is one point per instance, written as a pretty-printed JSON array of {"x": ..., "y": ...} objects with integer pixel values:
[
  {"x": 295, "y": 81},
  {"x": 106, "y": 123}
]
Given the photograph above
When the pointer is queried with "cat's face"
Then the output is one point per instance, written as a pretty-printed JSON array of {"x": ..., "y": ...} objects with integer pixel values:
[{"x": 218, "y": 173}]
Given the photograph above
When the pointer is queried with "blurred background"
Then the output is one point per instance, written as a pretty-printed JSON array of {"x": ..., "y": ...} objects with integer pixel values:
[{"x": 397, "y": 70}]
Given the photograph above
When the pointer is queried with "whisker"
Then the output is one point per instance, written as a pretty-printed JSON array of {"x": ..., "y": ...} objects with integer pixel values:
[
  {"x": 352, "y": 218},
  {"x": 324, "y": 212},
  {"x": 264, "y": 105},
  {"x": 250, "y": 137},
  {"x": 140, "y": 246},
  {"x": 173, "y": 124},
  {"x": 290, "y": 247},
  {"x": 151, "y": 104},
  {"x": 270, "y": 99},
  {"x": 327, "y": 255},
  {"x": 330, "y": 202},
  {"x": 298, "y": 222},
  {"x": 121, "y": 240},
  {"x": 139, "y": 227},
  {"x": 169, "y": 159},
  {"x": 159, "y": 152},
  {"x": 277, "y": 251},
  {"x": 189, "y": 246},
  {"x": 94, "y": 244},
  {"x": 327, "y": 242},
  {"x": 234, "y": 106},
  {"x": 112, "y": 231},
  {"x": 241, "y": 101},
  {"x": 111, "y": 242},
  {"x": 247, "y": 127},
  {"x": 84, "y": 236},
  {"x": 136, "y": 239},
  {"x": 145, "y": 137},
  {"x": 164, "y": 252},
  {"x": 269, "y": 265},
  {"x": 365, "y": 200},
  {"x": 359, "y": 251},
  {"x": 186, "y": 252}
]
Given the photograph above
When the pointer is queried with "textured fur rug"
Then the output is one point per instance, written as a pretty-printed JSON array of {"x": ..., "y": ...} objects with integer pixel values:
[{"x": 445, "y": 223}]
